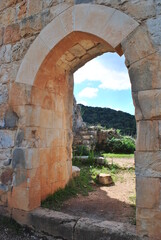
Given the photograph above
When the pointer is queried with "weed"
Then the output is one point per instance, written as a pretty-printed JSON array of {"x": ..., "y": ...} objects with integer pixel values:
[
  {"x": 132, "y": 199},
  {"x": 79, "y": 185}
]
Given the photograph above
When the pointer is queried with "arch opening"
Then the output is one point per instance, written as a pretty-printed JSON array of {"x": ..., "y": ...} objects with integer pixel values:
[{"x": 41, "y": 99}]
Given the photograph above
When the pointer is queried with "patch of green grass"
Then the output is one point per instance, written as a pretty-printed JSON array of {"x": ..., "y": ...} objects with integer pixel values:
[
  {"x": 132, "y": 199},
  {"x": 118, "y": 155},
  {"x": 79, "y": 185}
]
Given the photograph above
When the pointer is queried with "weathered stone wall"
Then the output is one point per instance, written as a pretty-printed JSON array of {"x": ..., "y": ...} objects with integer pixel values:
[
  {"x": 94, "y": 138},
  {"x": 35, "y": 76},
  {"x": 77, "y": 117}
]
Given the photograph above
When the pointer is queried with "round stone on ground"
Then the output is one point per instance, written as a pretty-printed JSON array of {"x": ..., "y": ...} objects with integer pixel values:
[{"x": 75, "y": 171}]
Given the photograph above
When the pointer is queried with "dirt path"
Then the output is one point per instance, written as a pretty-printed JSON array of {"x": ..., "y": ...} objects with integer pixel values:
[{"x": 107, "y": 203}]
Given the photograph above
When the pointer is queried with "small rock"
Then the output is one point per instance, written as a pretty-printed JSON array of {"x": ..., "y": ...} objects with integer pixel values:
[
  {"x": 75, "y": 171},
  {"x": 105, "y": 179}
]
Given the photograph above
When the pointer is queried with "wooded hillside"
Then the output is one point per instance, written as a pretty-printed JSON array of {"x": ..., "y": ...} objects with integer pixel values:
[{"x": 109, "y": 118}]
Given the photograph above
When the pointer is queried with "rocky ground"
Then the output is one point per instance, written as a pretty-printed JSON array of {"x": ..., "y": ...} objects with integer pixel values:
[{"x": 9, "y": 230}]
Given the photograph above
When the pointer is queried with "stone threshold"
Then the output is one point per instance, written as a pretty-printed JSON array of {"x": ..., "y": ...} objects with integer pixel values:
[{"x": 63, "y": 226}]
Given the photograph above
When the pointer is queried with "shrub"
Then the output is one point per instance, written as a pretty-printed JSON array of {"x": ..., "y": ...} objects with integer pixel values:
[
  {"x": 120, "y": 145},
  {"x": 81, "y": 150}
]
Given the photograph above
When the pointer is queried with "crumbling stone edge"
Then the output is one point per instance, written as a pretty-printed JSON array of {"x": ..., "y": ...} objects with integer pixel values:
[{"x": 67, "y": 227}]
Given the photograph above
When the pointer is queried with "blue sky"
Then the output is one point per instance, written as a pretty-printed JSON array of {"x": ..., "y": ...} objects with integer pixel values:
[{"x": 104, "y": 82}]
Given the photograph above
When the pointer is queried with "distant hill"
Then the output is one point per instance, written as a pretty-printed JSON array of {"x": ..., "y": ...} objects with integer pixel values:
[{"x": 109, "y": 118}]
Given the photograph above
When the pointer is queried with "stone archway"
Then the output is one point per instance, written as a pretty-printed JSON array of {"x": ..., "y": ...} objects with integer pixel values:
[{"x": 41, "y": 98}]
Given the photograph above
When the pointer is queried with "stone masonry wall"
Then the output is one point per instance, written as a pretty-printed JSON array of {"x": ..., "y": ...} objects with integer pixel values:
[{"x": 22, "y": 106}]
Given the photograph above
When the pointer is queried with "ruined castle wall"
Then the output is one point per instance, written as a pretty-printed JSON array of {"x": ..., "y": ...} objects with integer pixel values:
[{"x": 26, "y": 112}]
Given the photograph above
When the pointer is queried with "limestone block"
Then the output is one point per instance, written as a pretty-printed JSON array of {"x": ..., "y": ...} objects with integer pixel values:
[
  {"x": 37, "y": 53},
  {"x": 47, "y": 3},
  {"x": 148, "y": 192},
  {"x": 80, "y": 13},
  {"x": 3, "y": 93},
  {"x": 141, "y": 10},
  {"x": 8, "y": 72},
  {"x": 19, "y": 94},
  {"x": 5, "y": 54},
  {"x": 32, "y": 159},
  {"x": 77, "y": 50},
  {"x": 148, "y": 164},
  {"x": 115, "y": 33},
  {"x": 145, "y": 74},
  {"x": 34, "y": 137},
  {"x": 11, "y": 119},
  {"x": 93, "y": 229},
  {"x": 75, "y": 171},
  {"x": 154, "y": 25},
  {"x": 45, "y": 17},
  {"x": 150, "y": 103},
  {"x": 55, "y": 223},
  {"x": 138, "y": 113},
  {"x": 5, "y": 154},
  {"x": 67, "y": 20},
  {"x": 137, "y": 45},
  {"x": 45, "y": 157},
  {"x": 148, "y": 223},
  {"x": 20, "y": 216},
  {"x": 19, "y": 49},
  {"x": 87, "y": 44},
  {"x": 60, "y": 172},
  {"x": 7, "y": 138},
  {"x": 147, "y": 136},
  {"x": 21, "y": 10},
  {"x": 158, "y": 7},
  {"x": 34, "y": 7},
  {"x": 58, "y": 122},
  {"x": 28, "y": 115},
  {"x": 60, "y": 8},
  {"x": 92, "y": 18},
  {"x": 2, "y": 4},
  {"x": 62, "y": 153},
  {"x": 1, "y": 36},
  {"x": 30, "y": 26},
  {"x": 33, "y": 176},
  {"x": 46, "y": 118},
  {"x": 11, "y": 33},
  {"x": 7, "y": 17},
  {"x": 18, "y": 158},
  {"x": 24, "y": 198},
  {"x": 52, "y": 136},
  {"x": 53, "y": 33},
  {"x": 105, "y": 179},
  {"x": 19, "y": 138},
  {"x": 33, "y": 116},
  {"x": 6, "y": 176},
  {"x": 37, "y": 96}
]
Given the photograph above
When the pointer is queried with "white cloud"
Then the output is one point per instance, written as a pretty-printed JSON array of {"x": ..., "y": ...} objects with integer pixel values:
[
  {"x": 88, "y": 92},
  {"x": 108, "y": 78}
]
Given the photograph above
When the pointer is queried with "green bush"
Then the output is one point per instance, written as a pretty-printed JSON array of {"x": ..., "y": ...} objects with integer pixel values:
[
  {"x": 81, "y": 150},
  {"x": 120, "y": 145}
]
